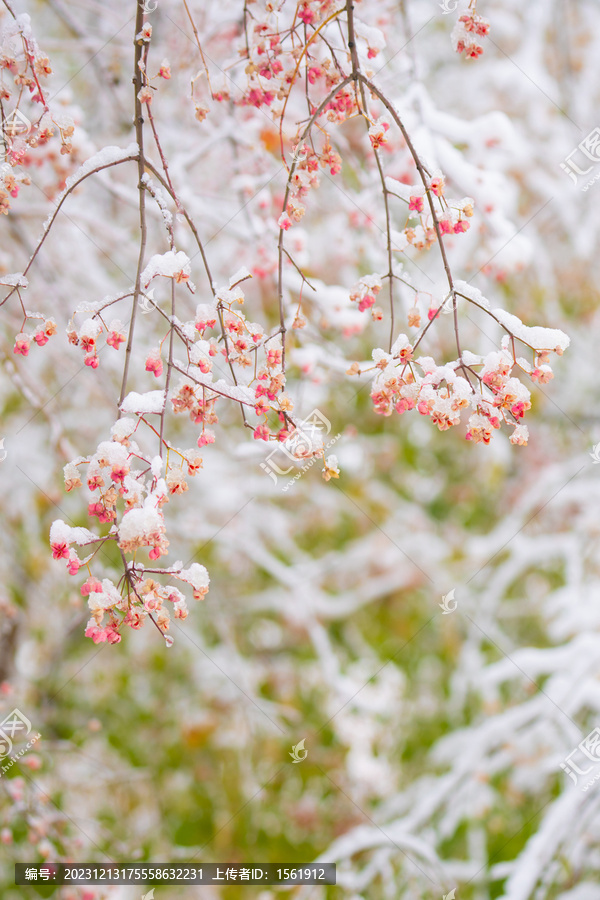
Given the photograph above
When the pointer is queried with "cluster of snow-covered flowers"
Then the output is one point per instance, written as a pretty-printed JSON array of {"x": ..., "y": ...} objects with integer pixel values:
[
  {"x": 131, "y": 491},
  {"x": 31, "y": 117},
  {"x": 468, "y": 32},
  {"x": 485, "y": 384},
  {"x": 419, "y": 231},
  {"x": 365, "y": 292}
]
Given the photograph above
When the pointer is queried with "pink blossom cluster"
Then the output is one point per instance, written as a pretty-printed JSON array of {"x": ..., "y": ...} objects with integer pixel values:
[
  {"x": 304, "y": 179},
  {"x": 131, "y": 494},
  {"x": 28, "y": 121},
  {"x": 452, "y": 215},
  {"x": 467, "y": 33},
  {"x": 40, "y": 335},
  {"x": 365, "y": 292},
  {"x": 257, "y": 361},
  {"x": 485, "y": 384}
]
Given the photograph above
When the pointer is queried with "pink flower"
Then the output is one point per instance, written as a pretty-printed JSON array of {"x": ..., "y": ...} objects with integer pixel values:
[
  {"x": 367, "y": 301},
  {"x": 461, "y": 226},
  {"x": 73, "y": 566},
  {"x": 114, "y": 339},
  {"x": 261, "y": 433},
  {"x": 133, "y": 619},
  {"x": 91, "y": 361},
  {"x": 416, "y": 203},
  {"x": 336, "y": 164},
  {"x": 446, "y": 226},
  {"x": 306, "y": 14},
  {"x": 154, "y": 364},
  {"x": 404, "y": 404},
  {"x": 437, "y": 186},
  {"x": 261, "y": 407},
  {"x": 98, "y": 635},
  {"x": 98, "y": 509},
  {"x": 92, "y": 584},
  {"x": 60, "y": 551},
  {"x": 273, "y": 358},
  {"x": 542, "y": 375},
  {"x": 202, "y": 324},
  {"x": 41, "y": 338},
  {"x": 283, "y": 221},
  {"x": 207, "y": 437},
  {"x": 473, "y": 51},
  {"x": 21, "y": 345}
]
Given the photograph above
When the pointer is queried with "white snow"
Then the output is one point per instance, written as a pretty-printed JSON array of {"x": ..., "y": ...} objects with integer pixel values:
[
  {"x": 137, "y": 523},
  {"x": 14, "y": 280},
  {"x": 196, "y": 575},
  {"x": 150, "y": 402},
  {"x": 404, "y": 191},
  {"x": 123, "y": 428},
  {"x": 239, "y": 393},
  {"x": 471, "y": 293},
  {"x": 166, "y": 264},
  {"x": 373, "y": 37},
  {"x": 115, "y": 453},
  {"x": 241, "y": 275},
  {"x": 61, "y": 533},
  {"x": 537, "y": 337}
]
